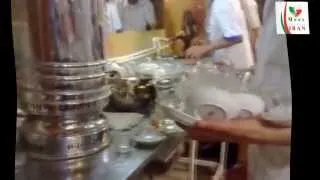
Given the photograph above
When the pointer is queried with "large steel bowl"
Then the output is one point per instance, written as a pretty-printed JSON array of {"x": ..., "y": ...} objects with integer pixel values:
[{"x": 131, "y": 93}]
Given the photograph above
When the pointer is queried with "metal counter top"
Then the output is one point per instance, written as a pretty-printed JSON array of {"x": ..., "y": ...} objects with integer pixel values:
[{"x": 105, "y": 165}]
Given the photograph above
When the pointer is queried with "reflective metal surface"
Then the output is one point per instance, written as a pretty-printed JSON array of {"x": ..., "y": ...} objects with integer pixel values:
[
  {"x": 105, "y": 165},
  {"x": 66, "y": 31},
  {"x": 62, "y": 86},
  {"x": 132, "y": 93},
  {"x": 73, "y": 138}
]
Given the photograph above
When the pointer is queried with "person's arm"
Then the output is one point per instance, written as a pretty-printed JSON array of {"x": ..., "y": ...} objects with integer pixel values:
[
  {"x": 201, "y": 50},
  {"x": 229, "y": 24},
  {"x": 251, "y": 12},
  {"x": 254, "y": 35},
  {"x": 225, "y": 42},
  {"x": 250, "y": 131}
]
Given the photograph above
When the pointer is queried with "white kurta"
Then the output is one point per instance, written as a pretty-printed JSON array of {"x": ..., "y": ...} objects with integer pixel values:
[
  {"x": 112, "y": 17},
  {"x": 271, "y": 162},
  {"x": 226, "y": 19},
  {"x": 136, "y": 17}
]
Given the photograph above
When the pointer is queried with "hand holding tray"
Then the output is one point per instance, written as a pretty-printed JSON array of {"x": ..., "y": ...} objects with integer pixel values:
[{"x": 179, "y": 116}]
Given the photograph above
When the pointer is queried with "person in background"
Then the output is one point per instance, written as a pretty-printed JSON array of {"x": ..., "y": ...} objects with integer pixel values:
[
  {"x": 137, "y": 15},
  {"x": 192, "y": 29},
  {"x": 189, "y": 30},
  {"x": 112, "y": 17},
  {"x": 228, "y": 36},
  {"x": 251, "y": 11},
  {"x": 269, "y": 139}
]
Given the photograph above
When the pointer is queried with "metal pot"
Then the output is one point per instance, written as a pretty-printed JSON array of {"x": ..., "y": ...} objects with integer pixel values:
[
  {"x": 65, "y": 139},
  {"x": 130, "y": 94}
]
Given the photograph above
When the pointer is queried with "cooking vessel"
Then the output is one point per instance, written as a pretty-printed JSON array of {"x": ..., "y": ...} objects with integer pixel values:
[
  {"x": 130, "y": 93},
  {"x": 65, "y": 139}
]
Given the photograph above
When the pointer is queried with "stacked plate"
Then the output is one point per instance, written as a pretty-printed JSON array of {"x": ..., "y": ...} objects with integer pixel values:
[
  {"x": 64, "y": 102},
  {"x": 50, "y": 91}
]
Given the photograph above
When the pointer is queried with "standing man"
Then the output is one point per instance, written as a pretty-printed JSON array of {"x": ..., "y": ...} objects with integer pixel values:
[
  {"x": 137, "y": 15},
  {"x": 112, "y": 17},
  {"x": 269, "y": 139},
  {"x": 228, "y": 35},
  {"x": 251, "y": 11}
]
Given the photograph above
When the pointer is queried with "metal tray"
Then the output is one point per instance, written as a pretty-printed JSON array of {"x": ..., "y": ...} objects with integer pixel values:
[
  {"x": 35, "y": 95},
  {"x": 66, "y": 108},
  {"x": 68, "y": 83},
  {"x": 73, "y": 84},
  {"x": 71, "y": 71}
]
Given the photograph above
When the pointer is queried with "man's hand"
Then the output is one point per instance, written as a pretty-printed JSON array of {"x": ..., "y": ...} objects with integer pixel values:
[
  {"x": 197, "y": 132},
  {"x": 190, "y": 61},
  {"x": 197, "y": 52}
]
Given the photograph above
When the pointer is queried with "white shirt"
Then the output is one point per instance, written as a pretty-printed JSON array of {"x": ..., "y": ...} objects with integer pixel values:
[
  {"x": 226, "y": 19},
  {"x": 268, "y": 162},
  {"x": 112, "y": 17},
  {"x": 136, "y": 17}
]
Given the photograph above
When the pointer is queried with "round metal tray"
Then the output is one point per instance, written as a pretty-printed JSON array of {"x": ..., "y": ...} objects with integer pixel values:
[
  {"x": 66, "y": 140},
  {"x": 35, "y": 95},
  {"x": 71, "y": 71},
  {"x": 69, "y": 83},
  {"x": 83, "y": 84},
  {"x": 66, "y": 108},
  {"x": 70, "y": 64}
]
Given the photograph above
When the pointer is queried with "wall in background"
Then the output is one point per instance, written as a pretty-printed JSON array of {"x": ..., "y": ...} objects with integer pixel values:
[{"x": 129, "y": 42}]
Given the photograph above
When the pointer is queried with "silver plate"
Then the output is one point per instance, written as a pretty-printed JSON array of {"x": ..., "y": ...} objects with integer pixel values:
[
  {"x": 35, "y": 95},
  {"x": 71, "y": 71},
  {"x": 149, "y": 137},
  {"x": 68, "y": 83},
  {"x": 66, "y": 108},
  {"x": 83, "y": 84},
  {"x": 73, "y": 64}
]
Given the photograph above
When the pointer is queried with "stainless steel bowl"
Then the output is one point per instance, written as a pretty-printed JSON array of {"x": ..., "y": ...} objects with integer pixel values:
[
  {"x": 64, "y": 140},
  {"x": 131, "y": 93}
]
